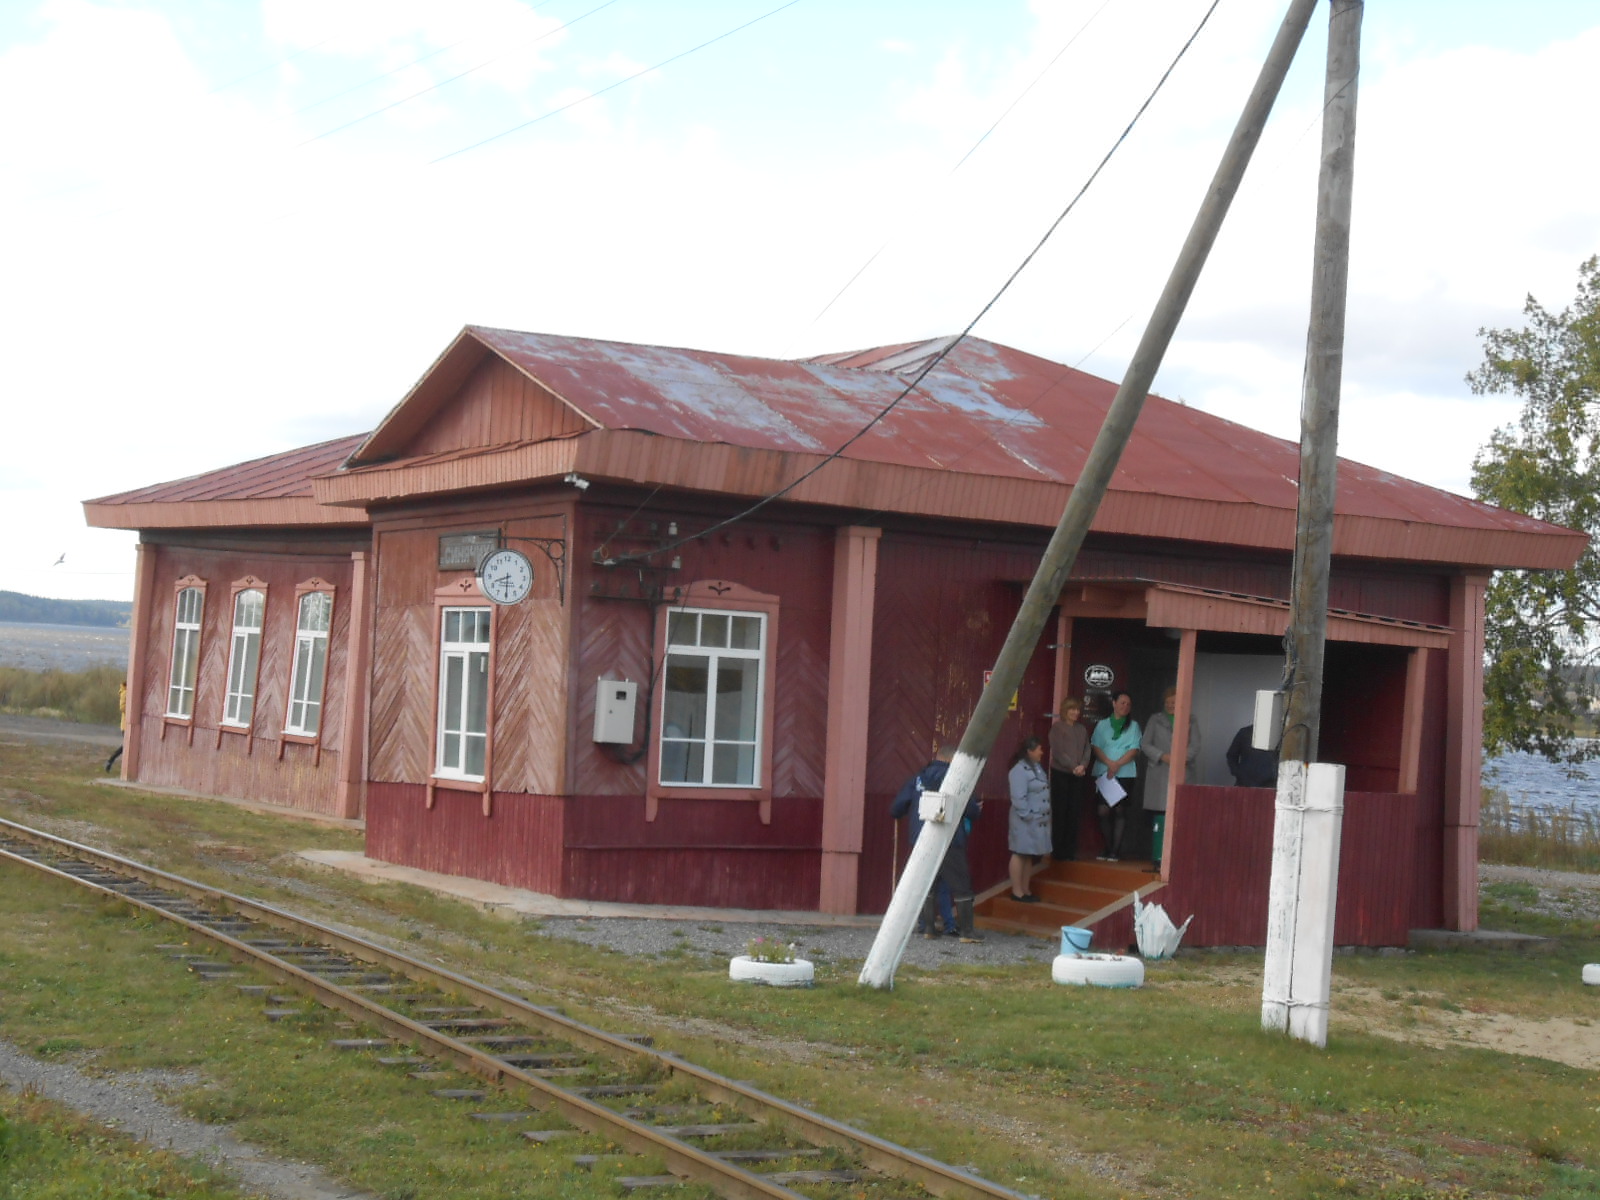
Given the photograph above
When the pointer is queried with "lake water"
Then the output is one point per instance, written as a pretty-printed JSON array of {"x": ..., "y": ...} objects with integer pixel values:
[
  {"x": 61, "y": 647},
  {"x": 1531, "y": 782}
]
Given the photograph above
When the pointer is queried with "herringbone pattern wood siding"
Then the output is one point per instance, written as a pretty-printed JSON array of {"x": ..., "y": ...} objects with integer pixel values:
[
  {"x": 613, "y": 639},
  {"x": 530, "y": 698},
  {"x": 222, "y": 762},
  {"x": 800, "y": 725},
  {"x": 402, "y": 695}
]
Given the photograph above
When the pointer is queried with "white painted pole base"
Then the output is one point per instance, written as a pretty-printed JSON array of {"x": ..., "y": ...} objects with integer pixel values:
[
  {"x": 1298, "y": 980},
  {"x": 939, "y": 811}
]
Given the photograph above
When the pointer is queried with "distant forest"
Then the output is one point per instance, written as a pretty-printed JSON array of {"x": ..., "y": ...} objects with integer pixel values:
[{"x": 108, "y": 614}]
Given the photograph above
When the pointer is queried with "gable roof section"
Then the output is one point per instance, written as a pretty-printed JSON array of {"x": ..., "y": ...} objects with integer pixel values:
[
  {"x": 275, "y": 490},
  {"x": 991, "y": 434}
]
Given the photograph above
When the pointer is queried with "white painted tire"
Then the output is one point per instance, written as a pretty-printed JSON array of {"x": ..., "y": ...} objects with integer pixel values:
[
  {"x": 1591, "y": 974},
  {"x": 1101, "y": 970},
  {"x": 745, "y": 969}
]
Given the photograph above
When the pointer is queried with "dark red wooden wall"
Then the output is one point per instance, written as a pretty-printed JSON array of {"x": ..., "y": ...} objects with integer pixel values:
[
  {"x": 261, "y": 766},
  {"x": 1221, "y": 867}
]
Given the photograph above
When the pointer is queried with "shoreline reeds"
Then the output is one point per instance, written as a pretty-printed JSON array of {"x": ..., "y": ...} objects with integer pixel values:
[
  {"x": 1556, "y": 839},
  {"x": 88, "y": 697}
]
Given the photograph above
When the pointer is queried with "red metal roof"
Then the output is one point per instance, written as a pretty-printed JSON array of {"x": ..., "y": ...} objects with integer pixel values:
[
  {"x": 991, "y": 434},
  {"x": 271, "y": 490},
  {"x": 987, "y": 411}
]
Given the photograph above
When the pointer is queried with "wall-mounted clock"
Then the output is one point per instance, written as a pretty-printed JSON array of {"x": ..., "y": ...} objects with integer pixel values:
[{"x": 506, "y": 576}]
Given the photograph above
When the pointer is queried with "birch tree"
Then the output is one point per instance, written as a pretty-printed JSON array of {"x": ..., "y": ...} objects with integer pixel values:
[{"x": 1542, "y": 626}]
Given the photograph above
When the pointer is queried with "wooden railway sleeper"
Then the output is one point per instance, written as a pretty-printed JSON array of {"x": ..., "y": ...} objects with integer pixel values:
[{"x": 578, "y": 1104}]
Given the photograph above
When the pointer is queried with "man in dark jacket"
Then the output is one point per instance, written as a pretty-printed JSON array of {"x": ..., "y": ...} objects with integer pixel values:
[
  {"x": 954, "y": 884},
  {"x": 1251, "y": 767}
]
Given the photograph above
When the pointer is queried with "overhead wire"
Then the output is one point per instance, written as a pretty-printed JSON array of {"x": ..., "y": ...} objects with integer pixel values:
[
  {"x": 452, "y": 79},
  {"x": 952, "y": 343},
  {"x": 612, "y": 86},
  {"x": 971, "y": 150}
]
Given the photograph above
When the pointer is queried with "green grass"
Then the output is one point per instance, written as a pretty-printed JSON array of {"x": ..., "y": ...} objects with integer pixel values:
[
  {"x": 1168, "y": 1090},
  {"x": 88, "y": 696},
  {"x": 48, "y": 1152}
]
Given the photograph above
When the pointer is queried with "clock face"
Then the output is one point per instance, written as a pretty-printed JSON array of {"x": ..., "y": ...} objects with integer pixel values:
[{"x": 506, "y": 576}]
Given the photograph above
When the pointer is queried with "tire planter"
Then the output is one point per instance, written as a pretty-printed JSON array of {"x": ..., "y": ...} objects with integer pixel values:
[
  {"x": 1100, "y": 970},
  {"x": 745, "y": 969},
  {"x": 1591, "y": 974}
]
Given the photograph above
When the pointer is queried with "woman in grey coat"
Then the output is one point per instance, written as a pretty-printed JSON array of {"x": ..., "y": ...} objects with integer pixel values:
[
  {"x": 1028, "y": 830},
  {"x": 1157, "y": 749}
]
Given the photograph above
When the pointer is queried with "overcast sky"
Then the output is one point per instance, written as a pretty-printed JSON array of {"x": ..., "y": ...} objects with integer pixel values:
[{"x": 236, "y": 227}]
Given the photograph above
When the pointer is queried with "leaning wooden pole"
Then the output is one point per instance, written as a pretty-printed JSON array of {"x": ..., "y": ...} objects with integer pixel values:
[
  {"x": 1297, "y": 976},
  {"x": 942, "y": 810}
]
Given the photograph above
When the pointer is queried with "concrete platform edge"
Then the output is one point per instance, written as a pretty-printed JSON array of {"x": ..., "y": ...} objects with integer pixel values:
[{"x": 516, "y": 903}]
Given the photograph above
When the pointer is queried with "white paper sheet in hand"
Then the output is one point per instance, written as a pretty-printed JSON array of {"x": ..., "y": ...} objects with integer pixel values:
[{"x": 1110, "y": 790}]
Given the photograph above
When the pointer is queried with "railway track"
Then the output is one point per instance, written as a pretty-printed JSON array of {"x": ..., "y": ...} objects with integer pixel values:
[{"x": 651, "y": 1102}]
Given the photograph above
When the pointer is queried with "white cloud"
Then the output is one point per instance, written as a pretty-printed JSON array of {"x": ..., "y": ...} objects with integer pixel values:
[{"x": 207, "y": 292}]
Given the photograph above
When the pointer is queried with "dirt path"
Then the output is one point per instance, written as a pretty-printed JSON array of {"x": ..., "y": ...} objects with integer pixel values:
[
  {"x": 15, "y": 728},
  {"x": 131, "y": 1104}
]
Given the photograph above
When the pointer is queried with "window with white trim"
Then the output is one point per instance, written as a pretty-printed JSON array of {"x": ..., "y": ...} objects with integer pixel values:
[
  {"x": 191, "y": 604},
  {"x": 711, "y": 709},
  {"x": 310, "y": 671},
  {"x": 244, "y": 657},
  {"x": 463, "y": 740}
]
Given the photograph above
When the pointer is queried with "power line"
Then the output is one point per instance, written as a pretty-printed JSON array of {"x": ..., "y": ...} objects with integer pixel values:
[
  {"x": 402, "y": 67},
  {"x": 936, "y": 359},
  {"x": 272, "y": 66},
  {"x": 627, "y": 79},
  {"x": 446, "y": 82},
  {"x": 971, "y": 150}
]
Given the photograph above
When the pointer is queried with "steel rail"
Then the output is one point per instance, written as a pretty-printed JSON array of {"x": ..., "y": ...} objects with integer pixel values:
[{"x": 878, "y": 1154}]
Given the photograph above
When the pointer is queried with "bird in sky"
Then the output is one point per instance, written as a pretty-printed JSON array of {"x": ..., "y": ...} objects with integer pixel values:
[{"x": 59, "y": 561}]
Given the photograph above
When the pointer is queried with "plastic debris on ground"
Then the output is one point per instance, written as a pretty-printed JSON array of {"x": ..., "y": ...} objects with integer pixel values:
[{"x": 1154, "y": 931}]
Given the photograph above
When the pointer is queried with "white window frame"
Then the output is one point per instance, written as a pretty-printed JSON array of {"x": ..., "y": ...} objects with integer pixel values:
[
  {"x": 457, "y": 725},
  {"x": 244, "y": 658},
  {"x": 303, "y": 717},
  {"x": 189, "y": 607},
  {"x": 706, "y": 739}
]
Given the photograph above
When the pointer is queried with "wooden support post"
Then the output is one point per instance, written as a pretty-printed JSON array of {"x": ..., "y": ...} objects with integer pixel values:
[
  {"x": 1411, "y": 718},
  {"x": 1062, "y": 687},
  {"x": 1463, "y": 753},
  {"x": 941, "y": 810},
  {"x": 844, "y": 786},
  {"x": 144, "y": 582},
  {"x": 1178, "y": 772},
  {"x": 353, "y": 729}
]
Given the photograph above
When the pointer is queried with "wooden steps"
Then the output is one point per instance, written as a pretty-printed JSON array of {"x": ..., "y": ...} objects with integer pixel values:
[{"x": 1076, "y": 893}]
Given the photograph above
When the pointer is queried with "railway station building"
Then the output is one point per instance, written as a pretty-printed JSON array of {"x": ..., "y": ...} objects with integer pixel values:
[{"x": 662, "y": 697}]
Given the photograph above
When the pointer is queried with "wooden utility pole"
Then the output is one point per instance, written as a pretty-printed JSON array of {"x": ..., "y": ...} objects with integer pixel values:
[
  {"x": 942, "y": 810},
  {"x": 1319, "y": 411},
  {"x": 1303, "y": 894}
]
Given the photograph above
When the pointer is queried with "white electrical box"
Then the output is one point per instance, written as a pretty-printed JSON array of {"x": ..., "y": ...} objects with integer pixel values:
[
  {"x": 613, "y": 710},
  {"x": 1269, "y": 721}
]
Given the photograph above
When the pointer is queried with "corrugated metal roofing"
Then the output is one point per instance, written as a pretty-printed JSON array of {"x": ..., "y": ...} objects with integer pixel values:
[
  {"x": 992, "y": 433},
  {"x": 274, "y": 477},
  {"x": 275, "y": 489},
  {"x": 987, "y": 410}
]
